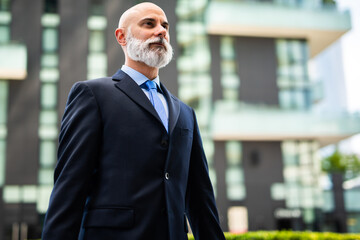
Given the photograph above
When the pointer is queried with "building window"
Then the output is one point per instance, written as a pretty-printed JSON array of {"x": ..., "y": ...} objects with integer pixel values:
[
  {"x": 50, "y": 6},
  {"x": 238, "y": 219},
  {"x": 48, "y": 119},
  {"x": 5, "y": 20},
  {"x": 4, "y": 33},
  {"x": 97, "y": 58},
  {"x": 193, "y": 64},
  {"x": 302, "y": 177},
  {"x": 229, "y": 77},
  {"x": 293, "y": 80},
  {"x": 50, "y": 39},
  {"x": 234, "y": 175},
  {"x": 4, "y": 86},
  {"x": 23, "y": 194},
  {"x": 4, "y": 5}
]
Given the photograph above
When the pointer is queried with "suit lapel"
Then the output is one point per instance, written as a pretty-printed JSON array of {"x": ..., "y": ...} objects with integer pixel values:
[
  {"x": 134, "y": 92},
  {"x": 174, "y": 108}
]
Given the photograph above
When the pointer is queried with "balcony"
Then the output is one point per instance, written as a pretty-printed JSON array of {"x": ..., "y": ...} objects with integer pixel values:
[
  {"x": 239, "y": 121},
  {"x": 320, "y": 26}
]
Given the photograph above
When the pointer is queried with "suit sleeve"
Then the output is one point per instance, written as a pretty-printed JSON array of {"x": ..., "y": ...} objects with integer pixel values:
[
  {"x": 77, "y": 156},
  {"x": 201, "y": 206}
]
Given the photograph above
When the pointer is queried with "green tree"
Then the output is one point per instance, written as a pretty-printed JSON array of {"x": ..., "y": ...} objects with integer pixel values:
[
  {"x": 340, "y": 166},
  {"x": 346, "y": 164}
]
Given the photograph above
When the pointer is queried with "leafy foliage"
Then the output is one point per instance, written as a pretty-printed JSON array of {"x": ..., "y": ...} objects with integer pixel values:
[
  {"x": 348, "y": 164},
  {"x": 289, "y": 235}
]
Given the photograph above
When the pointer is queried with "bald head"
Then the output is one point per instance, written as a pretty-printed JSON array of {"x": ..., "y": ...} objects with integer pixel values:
[{"x": 135, "y": 12}]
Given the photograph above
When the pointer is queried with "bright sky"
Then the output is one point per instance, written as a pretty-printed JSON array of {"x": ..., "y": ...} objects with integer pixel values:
[{"x": 350, "y": 43}]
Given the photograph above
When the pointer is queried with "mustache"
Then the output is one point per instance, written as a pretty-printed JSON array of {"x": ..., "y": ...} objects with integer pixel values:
[{"x": 158, "y": 40}]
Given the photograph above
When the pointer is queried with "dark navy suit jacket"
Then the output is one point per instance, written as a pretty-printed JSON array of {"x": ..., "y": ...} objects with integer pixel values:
[{"x": 120, "y": 175}]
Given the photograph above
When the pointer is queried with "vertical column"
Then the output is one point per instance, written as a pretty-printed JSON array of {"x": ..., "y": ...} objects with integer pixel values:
[
  {"x": 2, "y": 213},
  {"x": 97, "y": 58},
  {"x": 23, "y": 118},
  {"x": 340, "y": 215},
  {"x": 215, "y": 67},
  {"x": 263, "y": 166},
  {"x": 4, "y": 89},
  {"x": 115, "y": 55},
  {"x": 73, "y": 46},
  {"x": 48, "y": 121},
  {"x": 221, "y": 199}
]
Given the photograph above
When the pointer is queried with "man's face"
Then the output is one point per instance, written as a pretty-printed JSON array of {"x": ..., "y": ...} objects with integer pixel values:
[
  {"x": 148, "y": 23},
  {"x": 154, "y": 52},
  {"x": 147, "y": 38}
]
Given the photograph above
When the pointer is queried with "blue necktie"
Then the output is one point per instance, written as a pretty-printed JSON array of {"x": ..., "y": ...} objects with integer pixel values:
[{"x": 156, "y": 102}]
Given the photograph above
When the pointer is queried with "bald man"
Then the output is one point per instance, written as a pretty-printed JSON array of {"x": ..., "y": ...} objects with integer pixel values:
[{"x": 131, "y": 165}]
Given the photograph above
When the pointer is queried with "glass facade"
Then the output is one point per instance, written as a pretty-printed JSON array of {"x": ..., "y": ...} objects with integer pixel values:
[
  {"x": 230, "y": 80},
  {"x": 96, "y": 59},
  {"x": 3, "y": 129},
  {"x": 48, "y": 119},
  {"x": 302, "y": 172},
  {"x": 5, "y": 20},
  {"x": 193, "y": 64},
  {"x": 234, "y": 175},
  {"x": 5, "y": 5}
]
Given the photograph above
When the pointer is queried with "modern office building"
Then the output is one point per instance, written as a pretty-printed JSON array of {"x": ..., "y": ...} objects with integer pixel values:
[{"x": 242, "y": 65}]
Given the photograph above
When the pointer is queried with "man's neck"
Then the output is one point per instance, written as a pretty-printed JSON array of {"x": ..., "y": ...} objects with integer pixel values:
[{"x": 149, "y": 72}]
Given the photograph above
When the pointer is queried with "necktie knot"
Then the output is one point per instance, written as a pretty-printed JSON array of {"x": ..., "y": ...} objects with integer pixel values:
[{"x": 150, "y": 85}]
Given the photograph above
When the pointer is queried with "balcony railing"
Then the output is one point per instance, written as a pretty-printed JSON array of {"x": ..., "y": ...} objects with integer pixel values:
[{"x": 247, "y": 122}]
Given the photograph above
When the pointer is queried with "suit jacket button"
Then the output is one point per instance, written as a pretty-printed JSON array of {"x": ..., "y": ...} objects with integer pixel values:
[
  {"x": 167, "y": 176},
  {"x": 164, "y": 143}
]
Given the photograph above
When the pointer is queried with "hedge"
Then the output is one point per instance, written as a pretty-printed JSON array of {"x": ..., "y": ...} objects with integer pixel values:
[
  {"x": 289, "y": 235},
  {"x": 286, "y": 235}
]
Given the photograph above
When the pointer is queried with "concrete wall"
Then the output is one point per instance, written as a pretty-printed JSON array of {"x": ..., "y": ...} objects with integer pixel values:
[
  {"x": 257, "y": 66},
  {"x": 73, "y": 46}
]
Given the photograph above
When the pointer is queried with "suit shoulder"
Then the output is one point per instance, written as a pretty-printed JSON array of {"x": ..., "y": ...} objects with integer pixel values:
[
  {"x": 184, "y": 106},
  {"x": 94, "y": 84},
  {"x": 97, "y": 82}
]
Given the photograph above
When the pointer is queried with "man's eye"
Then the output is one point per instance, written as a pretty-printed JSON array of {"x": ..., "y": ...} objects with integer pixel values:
[{"x": 149, "y": 24}]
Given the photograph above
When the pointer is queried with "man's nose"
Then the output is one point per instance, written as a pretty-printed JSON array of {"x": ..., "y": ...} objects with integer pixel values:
[{"x": 160, "y": 31}]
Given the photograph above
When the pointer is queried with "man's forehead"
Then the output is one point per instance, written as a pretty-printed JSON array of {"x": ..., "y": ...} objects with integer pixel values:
[
  {"x": 150, "y": 14},
  {"x": 153, "y": 17},
  {"x": 140, "y": 12}
]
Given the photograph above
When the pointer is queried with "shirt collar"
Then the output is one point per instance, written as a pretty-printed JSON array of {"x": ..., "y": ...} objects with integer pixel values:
[{"x": 138, "y": 77}]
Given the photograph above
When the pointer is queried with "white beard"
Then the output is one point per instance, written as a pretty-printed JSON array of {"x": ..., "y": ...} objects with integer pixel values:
[{"x": 141, "y": 51}]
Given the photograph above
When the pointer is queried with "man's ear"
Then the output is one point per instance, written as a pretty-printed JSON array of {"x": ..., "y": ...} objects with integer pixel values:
[{"x": 120, "y": 36}]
